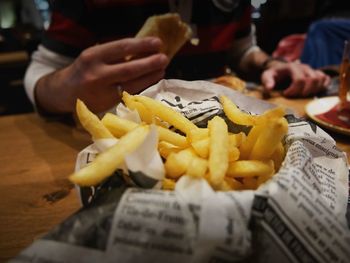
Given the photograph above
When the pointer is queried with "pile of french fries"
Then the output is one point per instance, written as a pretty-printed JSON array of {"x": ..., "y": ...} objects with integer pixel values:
[{"x": 227, "y": 161}]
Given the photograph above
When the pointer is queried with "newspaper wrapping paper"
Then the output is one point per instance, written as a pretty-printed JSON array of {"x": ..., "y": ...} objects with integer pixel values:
[{"x": 297, "y": 216}]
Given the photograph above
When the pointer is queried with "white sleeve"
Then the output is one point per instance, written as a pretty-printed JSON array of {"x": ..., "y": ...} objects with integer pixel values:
[
  {"x": 43, "y": 62},
  {"x": 242, "y": 47}
]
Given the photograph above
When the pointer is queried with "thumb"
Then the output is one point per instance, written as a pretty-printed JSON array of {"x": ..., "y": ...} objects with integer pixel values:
[{"x": 268, "y": 79}]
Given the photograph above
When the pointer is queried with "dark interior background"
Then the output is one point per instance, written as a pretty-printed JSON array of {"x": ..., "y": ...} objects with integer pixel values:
[{"x": 22, "y": 22}]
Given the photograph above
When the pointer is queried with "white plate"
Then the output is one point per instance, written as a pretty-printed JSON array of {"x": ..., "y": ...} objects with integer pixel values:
[{"x": 319, "y": 106}]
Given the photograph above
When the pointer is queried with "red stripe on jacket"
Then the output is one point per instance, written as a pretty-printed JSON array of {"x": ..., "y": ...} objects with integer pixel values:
[
  {"x": 92, "y": 4},
  {"x": 219, "y": 37},
  {"x": 69, "y": 32}
]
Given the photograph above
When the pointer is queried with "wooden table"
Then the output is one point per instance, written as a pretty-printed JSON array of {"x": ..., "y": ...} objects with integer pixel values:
[
  {"x": 8, "y": 58},
  {"x": 36, "y": 157}
]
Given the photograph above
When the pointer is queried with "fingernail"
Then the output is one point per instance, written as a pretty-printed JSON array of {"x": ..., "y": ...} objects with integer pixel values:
[
  {"x": 269, "y": 85},
  {"x": 163, "y": 59},
  {"x": 155, "y": 41}
]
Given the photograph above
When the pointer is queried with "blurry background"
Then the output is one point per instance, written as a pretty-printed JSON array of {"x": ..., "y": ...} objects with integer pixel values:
[{"x": 22, "y": 22}]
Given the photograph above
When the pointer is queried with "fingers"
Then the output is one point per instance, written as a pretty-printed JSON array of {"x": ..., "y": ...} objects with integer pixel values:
[
  {"x": 268, "y": 79},
  {"x": 312, "y": 81},
  {"x": 99, "y": 69},
  {"x": 319, "y": 84},
  {"x": 305, "y": 81},
  {"x": 124, "y": 72},
  {"x": 271, "y": 76},
  {"x": 315, "y": 81},
  {"x": 137, "y": 85},
  {"x": 298, "y": 81},
  {"x": 115, "y": 51}
]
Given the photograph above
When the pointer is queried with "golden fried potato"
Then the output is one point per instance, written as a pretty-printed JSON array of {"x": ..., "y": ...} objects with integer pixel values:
[
  {"x": 218, "y": 150},
  {"x": 107, "y": 162},
  {"x": 91, "y": 122}
]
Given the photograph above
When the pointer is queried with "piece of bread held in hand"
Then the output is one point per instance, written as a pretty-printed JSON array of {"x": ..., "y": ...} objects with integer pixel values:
[{"x": 170, "y": 29}]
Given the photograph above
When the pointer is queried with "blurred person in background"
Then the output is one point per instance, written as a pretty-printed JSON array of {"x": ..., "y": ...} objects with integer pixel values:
[
  {"x": 322, "y": 42},
  {"x": 82, "y": 54},
  {"x": 325, "y": 37}
]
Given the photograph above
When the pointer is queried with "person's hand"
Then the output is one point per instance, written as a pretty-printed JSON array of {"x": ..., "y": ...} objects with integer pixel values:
[
  {"x": 95, "y": 76},
  {"x": 305, "y": 81},
  {"x": 99, "y": 70}
]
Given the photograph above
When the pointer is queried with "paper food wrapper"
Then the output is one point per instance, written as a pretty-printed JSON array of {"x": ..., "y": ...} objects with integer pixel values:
[{"x": 297, "y": 216}]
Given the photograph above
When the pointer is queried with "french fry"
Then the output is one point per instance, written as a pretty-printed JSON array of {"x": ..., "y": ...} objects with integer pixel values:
[
  {"x": 119, "y": 126},
  {"x": 91, "y": 122},
  {"x": 132, "y": 104},
  {"x": 197, "y": 167},
  {"x": 165, "y": 149},
  {"x": 107, "y": 162},
  {"x": 250, "y": 168},
  {"x": 233, "y": 153},
  {"x": 269, "y": 139},
  {"x": 197, "y": 134},
  {"x": 167, "y": 114},
  {"x": 218, "y": 151},
  {"x": 263, "y": 179},
  {"x": 236, "y": 115},
  {"x": 274, "y": 113},
  {"x": 278, "y": 156},
  {"x": 177, "y": 163},
  {"x": 227, "y": 161},
  {"x": 233, "y": 141},
  {"x": 262, "y": 123},
  {"x": 252, "y": 137},
  {"x": 249, "y": 183},
  {"x": 172, "y": 137},
  {"x": 168, "y": 184},
  {"x": 201, "y": 147},
  {"x": 224, "y": 187},
  {"x": 236, "y": 140},
  {"x": 233, "y": 183},
  {"x": 145, "y": 114}
]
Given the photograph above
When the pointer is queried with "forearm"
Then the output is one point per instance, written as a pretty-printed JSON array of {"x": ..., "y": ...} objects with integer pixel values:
[
  {"x": 44, "y": 71},
  {"x": 252, "y": 63},
  {"x": 53, "y": 95}
]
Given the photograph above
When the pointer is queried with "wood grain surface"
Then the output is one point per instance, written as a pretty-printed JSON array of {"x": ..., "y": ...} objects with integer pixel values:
[{"x": 36, "y": 157}]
